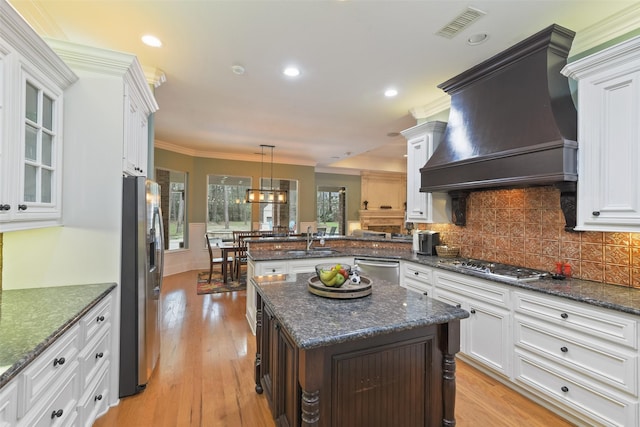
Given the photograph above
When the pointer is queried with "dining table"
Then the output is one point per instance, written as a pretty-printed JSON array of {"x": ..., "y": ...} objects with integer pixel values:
[{"x": 226, "y": 248}]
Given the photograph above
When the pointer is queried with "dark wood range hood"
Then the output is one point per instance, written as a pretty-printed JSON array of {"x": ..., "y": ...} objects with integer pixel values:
[{"x": 512, "y": 123}]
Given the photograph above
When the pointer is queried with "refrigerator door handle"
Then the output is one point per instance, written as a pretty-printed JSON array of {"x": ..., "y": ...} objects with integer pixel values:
[{"x": 157, "y": 251}]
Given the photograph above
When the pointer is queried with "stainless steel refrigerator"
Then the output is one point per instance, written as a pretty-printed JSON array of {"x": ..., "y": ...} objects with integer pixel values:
[{"x": 140, "y": 284}]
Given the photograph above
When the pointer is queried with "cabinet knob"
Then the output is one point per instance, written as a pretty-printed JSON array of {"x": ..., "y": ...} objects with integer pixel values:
[
  {"x": 277, "y": 326},
  {"x": 59, "y": 361},
  {"x": 22, "y": 207},
  {"x": 472, "y": 311},
  {"x": 100, "y": 319},
  {"x": 425, "y": 293},
  {"x": 5, "y": 207},
  {"x": 273, "y": 270},
  {"x": 564, "y": 388},
  {"x": 564, "y": 315},
  {"x": 458, "y": 305},
  {"x": 99, "y": 355},
  {"x": 564, "y": 349},
  {"x": 595, "y": 213},
  {"x": 57, "y": 414},
  {"x": 98, "y": 397}
]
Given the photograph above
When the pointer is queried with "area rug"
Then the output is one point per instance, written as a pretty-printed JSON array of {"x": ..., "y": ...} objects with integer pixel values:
[{"x": 217, "y": 285}]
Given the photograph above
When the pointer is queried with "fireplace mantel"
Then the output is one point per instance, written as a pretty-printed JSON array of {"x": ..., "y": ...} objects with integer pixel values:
[{"x": 389, "y": 220}]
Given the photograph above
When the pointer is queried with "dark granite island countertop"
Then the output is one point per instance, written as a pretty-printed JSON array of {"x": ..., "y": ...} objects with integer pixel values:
[
  {"x": 32, "y": 319},
  {"x": 384, "y": 359},
  {"x": 315, "y": 321}
]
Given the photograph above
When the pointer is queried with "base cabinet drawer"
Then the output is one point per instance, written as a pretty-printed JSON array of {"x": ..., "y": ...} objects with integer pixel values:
[
  {"x": 94, "y": 402},
  {"x": 8, "y": 404},
  {"x": 575, "y": 392},
  {"x": 58, "y": 406},
  {"x": 613, "y": 367},
  {"x": 93, "y": 358},
  {"x": 56, "y": 361}
]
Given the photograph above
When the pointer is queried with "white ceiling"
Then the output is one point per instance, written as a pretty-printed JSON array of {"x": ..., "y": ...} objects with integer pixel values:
[{"x": 334, "y": 115}]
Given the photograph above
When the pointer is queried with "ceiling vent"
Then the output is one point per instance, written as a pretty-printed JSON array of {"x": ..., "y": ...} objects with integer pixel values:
[{"x": 460, "y": 22}]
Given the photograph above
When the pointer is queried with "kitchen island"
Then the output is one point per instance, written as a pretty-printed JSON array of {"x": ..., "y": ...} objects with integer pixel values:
[{"x": 384, "y": 359}]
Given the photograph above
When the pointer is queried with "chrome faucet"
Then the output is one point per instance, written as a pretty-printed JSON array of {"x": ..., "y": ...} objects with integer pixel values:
[{"x": 309, "y": 238}]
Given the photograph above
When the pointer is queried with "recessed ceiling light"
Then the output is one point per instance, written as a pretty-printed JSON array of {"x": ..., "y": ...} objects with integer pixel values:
[
  {"x": 477, "y": 39},
  {"x": 390, "y": 93},
  {"x": 152, "y": 41},
  {"x": 291, "y": 72},
  {"x": 237, "y": 69}
]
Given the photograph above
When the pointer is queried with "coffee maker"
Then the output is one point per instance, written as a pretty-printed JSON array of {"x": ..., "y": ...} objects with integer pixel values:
[{"x": 425, "y": 242}]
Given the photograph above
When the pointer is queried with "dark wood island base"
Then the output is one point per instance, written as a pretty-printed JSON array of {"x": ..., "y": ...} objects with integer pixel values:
[{"x": 397, "y": 378}]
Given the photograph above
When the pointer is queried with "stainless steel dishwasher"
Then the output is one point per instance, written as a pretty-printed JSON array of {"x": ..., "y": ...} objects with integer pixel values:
[{"x": 381, "y": 268}]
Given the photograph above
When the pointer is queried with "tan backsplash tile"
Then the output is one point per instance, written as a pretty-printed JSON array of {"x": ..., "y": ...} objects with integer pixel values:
[{"x": 526, "y": 227}]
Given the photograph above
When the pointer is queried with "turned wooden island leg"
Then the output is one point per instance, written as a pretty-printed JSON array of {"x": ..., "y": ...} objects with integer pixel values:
[
  {"x": 311, "y": 371},
  {"x": 450, "y": 345},
  {"x": 258, "y": 362}
]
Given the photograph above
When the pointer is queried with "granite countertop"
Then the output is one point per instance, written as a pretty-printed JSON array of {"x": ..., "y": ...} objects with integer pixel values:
[
  {"x": 32, "y": 319},
  {"x": 314, "y": 321},
  {"x": 620, "y": 298}
]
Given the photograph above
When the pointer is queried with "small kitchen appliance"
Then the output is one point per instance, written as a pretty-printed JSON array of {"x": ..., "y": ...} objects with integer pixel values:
[{"x": 425, "y": 242}]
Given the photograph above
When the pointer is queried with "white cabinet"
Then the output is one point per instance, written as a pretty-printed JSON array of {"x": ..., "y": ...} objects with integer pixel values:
[
  {"x": 126, "y": 101},
  {"x": 68, "y": 384},
  {"x": 416, "y": 277},
  {"x": 136, "y": 138},
  {"x": 8, "y": 404},
  {"x": 282, "y": 266},
  {"x": 424, "y": 207},
  {"x": 608, "y": 135},
  {"x": 486, "y": 334},
  {"x": 582, "y": 357},
  {"x": 32, "y": 83}
]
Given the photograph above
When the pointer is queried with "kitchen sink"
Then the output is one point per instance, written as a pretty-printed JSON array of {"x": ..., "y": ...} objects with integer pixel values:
[{"x": 299, "y": 252}]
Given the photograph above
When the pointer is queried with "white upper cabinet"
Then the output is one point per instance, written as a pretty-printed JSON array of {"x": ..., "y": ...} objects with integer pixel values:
[
  {"x": 608, "y": 135},
  {"x": 424, "y": 207},
  {"x": 32, "y": 83}
]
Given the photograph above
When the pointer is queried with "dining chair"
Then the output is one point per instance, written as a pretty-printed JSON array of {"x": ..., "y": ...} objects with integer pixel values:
[{"x": 215, "y": 260}]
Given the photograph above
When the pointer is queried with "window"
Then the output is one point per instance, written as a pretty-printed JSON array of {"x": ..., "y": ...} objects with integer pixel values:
[
  {"x": 331, "y": 210},
  {"x": 173, "y": 192},
  {"x": 226, "y": 209},
  {"x": 276, "y": 214}
]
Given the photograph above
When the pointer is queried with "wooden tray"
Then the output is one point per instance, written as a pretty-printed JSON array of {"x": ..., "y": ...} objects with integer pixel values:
[{"x": 347, "y": 291}]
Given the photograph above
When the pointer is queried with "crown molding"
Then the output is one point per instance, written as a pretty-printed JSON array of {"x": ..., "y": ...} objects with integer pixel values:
[
  {"x": 432, "y": 108},
  {"x": 614, "y": 26}
]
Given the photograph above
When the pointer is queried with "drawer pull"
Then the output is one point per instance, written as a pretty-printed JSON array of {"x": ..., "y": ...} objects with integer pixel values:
[
  {"x": 57, "y": 414},
  {"x": 416, "y": 273},
  {"x": 564, "y": 315},
  {"x": 564, "y": 388},
  {"x": 57, "y": 361},
  {"x": 564, "y": 349},
  {"x": 472, "y": 311},
  {"x": 458, "y": 305},
  {"x": 5, "y": 207},
  {"x": 425, "y": 293},
  {"x": 595, "y": 213},
  {"x": 98, "y": 397},
  {"x": 99, "y": 355},
  {"x": 22, "y": 207},
  {"x": 100, "y": 319}
]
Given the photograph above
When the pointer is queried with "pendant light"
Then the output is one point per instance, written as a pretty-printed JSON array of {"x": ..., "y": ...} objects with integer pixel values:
[{"x": 266, "y": 195}]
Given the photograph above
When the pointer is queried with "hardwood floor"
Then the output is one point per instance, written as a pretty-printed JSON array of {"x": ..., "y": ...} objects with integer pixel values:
[{"x": 205, "y": 374}]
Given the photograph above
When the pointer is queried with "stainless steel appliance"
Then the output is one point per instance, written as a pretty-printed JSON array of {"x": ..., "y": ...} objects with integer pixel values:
[
  {"x": 425, "y": 242},
  {"x": 381, "y": 268},
  {"x": 503, "y": 271},
  {"x": 140, "y": 284}
]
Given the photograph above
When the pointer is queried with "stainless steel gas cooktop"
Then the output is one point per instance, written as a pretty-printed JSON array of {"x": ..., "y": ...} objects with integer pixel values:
[{"x": 504, "y": 271}]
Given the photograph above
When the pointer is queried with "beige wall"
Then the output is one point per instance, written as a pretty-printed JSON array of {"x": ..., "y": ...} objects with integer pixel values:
[
  {"x": 526, "y": 227},
  {"x": 199, "y": 167}
]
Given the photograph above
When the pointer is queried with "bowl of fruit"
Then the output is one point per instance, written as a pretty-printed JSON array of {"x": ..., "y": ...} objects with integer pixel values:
[{"x": 333, "y": 275}]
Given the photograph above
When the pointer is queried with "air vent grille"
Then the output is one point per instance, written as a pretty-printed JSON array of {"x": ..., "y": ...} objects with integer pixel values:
[{"x": 460, "y": 22}]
